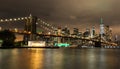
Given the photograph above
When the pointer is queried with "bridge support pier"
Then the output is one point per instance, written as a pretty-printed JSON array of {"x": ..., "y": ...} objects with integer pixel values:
[{"x": 98, "y": 44}]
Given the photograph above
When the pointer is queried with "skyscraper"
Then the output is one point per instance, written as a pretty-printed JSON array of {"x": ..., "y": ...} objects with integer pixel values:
[
  {"x": 86, "y": 33},
  {"x": 108, "y": 33},
  {"x": 101, "y": 27},
  {"x": 75, "y": 31},
  {"x": 93, "y": 32},
  {"x": 66, "y": 31}
]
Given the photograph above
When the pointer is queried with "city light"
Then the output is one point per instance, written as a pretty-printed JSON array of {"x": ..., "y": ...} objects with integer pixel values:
[
  {"x": 18, "y": 18},
  {"x": 51, "y": 30},
  {"x": 15, "y": 19},
  {"x": 29, "y": 32},
  {"x": 10, "y": 19},
  {"x": 26, "y": 18},
  {"x": 1, "y": 20},
  {"x": 16, "y": 30},
  {"x": 6, "y": 19},
  {"x": 0, "y": 28},
  {"x": 22, "y": 18},
  {"x": 62, "y": 44}
]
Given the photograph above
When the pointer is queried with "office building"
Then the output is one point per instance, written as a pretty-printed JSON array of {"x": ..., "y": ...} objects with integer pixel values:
[{"x": 101, "y": 28}]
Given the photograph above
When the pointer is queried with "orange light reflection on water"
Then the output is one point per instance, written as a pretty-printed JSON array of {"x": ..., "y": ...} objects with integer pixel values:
[{"x": 36, "y": 59}]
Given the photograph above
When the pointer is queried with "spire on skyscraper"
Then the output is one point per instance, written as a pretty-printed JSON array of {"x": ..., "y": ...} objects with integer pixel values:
[
  {"x": 101, "y": 21},
  {"x": 30, "y": 15}
]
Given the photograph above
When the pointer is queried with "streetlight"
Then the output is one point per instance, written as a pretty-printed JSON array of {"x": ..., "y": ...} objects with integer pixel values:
[
  {"x": 6, "y": 19},
  {"x": 15, "y": 19},
  {"x": 36, "y": 23},
  {"x": 0, "y": 28},
  {"x": 18, "y": 18},
  {"x": 1, "y": 20},
  {"x": 25, "y": 17},
  {"x": 16, "y": 30},
  {"x": 22, "y": 18},
  {"x": 10, "y": 19}
]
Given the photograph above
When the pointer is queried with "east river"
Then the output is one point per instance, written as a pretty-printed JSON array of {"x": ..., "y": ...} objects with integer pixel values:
[{"x": 62, "y": 58}]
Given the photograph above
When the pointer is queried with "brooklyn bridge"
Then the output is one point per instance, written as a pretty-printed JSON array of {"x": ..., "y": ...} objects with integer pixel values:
[{"x": 53, "y": 34}]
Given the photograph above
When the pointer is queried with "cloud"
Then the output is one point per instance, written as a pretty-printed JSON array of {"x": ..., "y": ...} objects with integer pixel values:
[{"x": 65, "y": 12}]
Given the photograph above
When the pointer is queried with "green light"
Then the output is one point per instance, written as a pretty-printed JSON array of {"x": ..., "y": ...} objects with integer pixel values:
[{"x": 61, "y": 44}]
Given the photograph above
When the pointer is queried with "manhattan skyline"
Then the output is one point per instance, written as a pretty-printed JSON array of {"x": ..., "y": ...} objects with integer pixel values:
[{"x": 72, "y": 13}]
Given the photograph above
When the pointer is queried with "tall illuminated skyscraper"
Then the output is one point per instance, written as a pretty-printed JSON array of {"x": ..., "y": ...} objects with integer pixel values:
[
  {"x": 93, "y": 32},
  {"x": 101, "y": 27}
]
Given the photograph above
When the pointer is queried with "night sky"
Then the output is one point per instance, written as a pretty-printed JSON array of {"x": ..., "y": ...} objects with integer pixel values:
[{"x": 81, "y": 14}]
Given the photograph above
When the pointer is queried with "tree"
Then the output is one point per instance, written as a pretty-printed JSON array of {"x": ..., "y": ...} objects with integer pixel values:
[{"x": 8, "y": 38}]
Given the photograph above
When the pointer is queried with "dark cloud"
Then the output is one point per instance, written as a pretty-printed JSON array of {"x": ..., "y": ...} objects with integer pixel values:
[{"x": 74, "y": 13}]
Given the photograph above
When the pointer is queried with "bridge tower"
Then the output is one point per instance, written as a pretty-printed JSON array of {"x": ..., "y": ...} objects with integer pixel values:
[{"x": 30, "y": 27}]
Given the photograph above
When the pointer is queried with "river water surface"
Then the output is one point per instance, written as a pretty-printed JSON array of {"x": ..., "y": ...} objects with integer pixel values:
[{"x": 63, "y": 58}]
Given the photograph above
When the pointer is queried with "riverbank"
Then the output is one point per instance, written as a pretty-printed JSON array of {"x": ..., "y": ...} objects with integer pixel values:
[
  {"x": 25, "y": 47},
  {"x": 56, "y": 47}
]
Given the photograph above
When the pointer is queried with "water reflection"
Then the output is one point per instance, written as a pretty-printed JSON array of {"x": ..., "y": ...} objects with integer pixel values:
[
  {"x": 59, "y": 58},
  {"x": 36, "y": 59}
]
